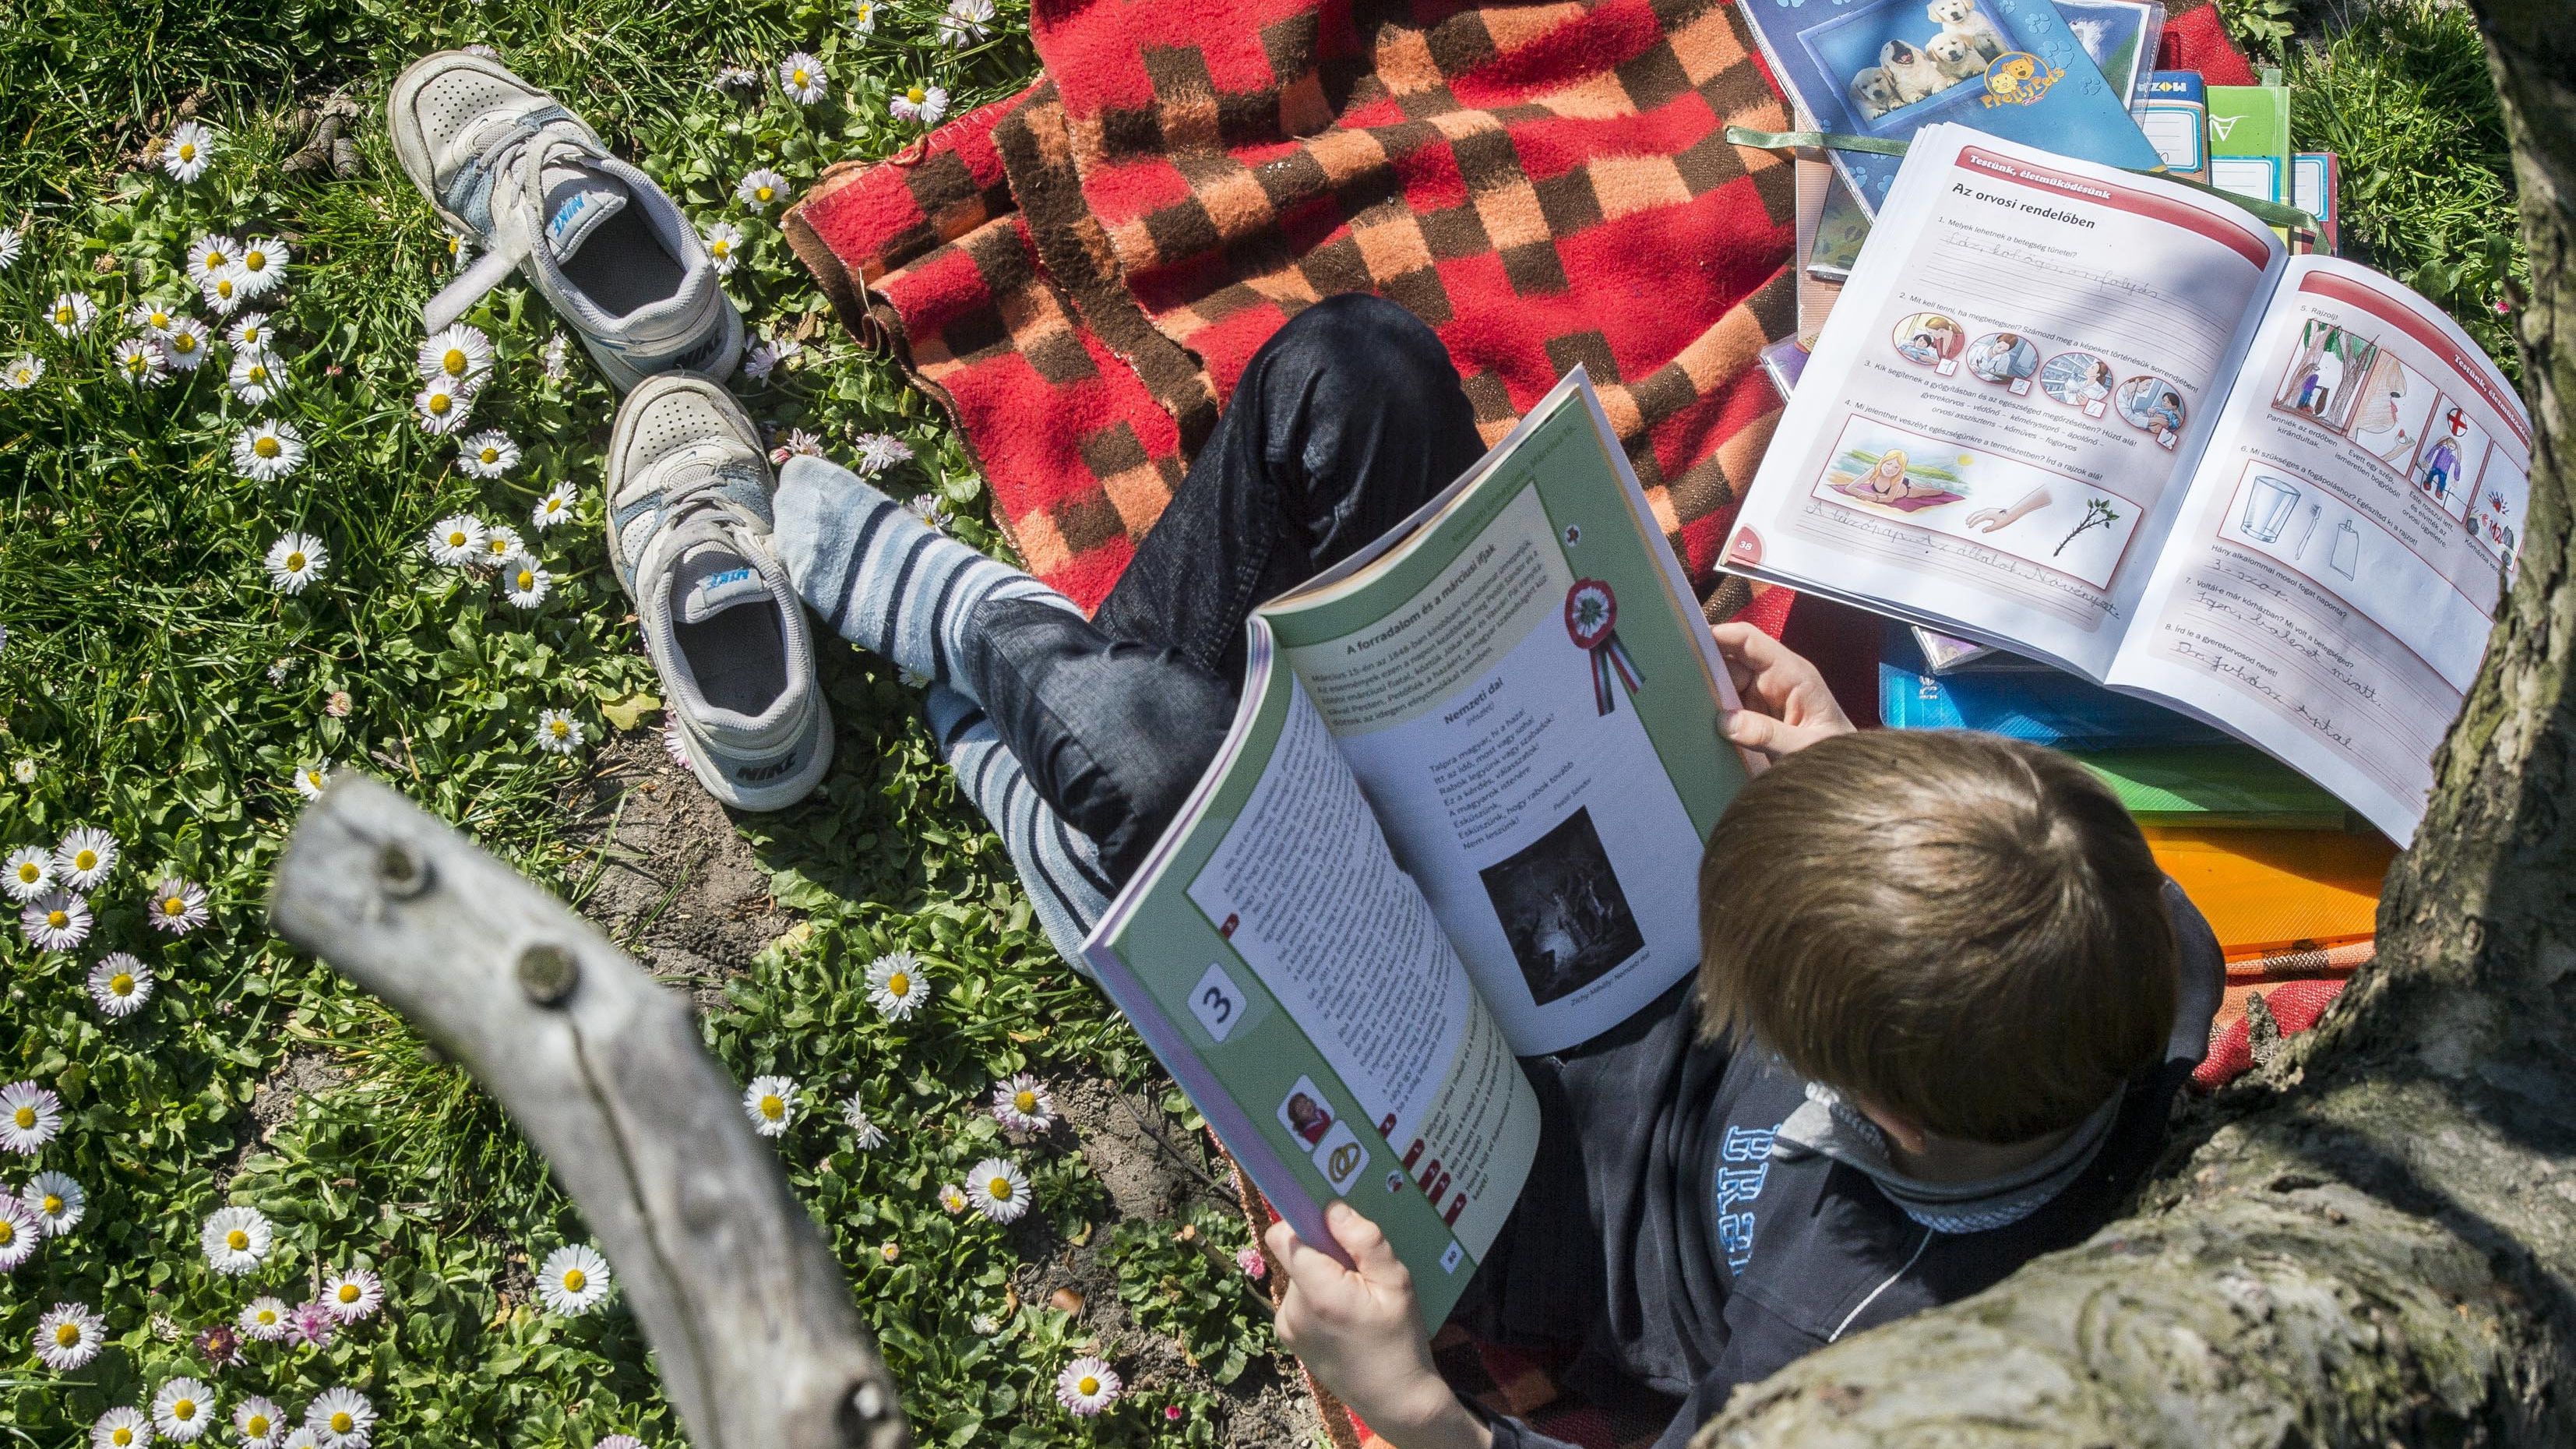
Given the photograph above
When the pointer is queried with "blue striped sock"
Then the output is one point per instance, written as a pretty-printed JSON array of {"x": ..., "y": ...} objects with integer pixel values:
[
  {"x": 1058, "y": 865},
  {"x": 882, "y": 578}
]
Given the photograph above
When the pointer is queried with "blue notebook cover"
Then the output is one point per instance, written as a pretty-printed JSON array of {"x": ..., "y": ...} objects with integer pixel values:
[
  {"x": 2009, "y": 68},
  {"x": 2043, "y": 706}
]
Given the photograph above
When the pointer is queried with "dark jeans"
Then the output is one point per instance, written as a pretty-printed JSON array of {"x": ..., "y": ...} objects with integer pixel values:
[{"x": 1347, "y": 420}]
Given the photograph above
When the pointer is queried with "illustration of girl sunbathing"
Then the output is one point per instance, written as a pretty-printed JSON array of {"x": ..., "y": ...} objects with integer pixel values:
[{"x": 1885, "y": 482}]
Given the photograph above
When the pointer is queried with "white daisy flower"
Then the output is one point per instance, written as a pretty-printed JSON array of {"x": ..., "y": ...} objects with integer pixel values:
[
  {"x": 340, "y": 1418},
  {"x": 183, "y": 1410},
  {"x": 500, "y": 545},
  {"x": 734, "y": 78},
  {"x": 953, "y": 1198},
  {"x": 23, "y": 371},
  {"x": 880, "y": 451},
  {"x": 1023, "y": 1104},
  {"x": 119, "y": 984},
  {"x": 20, "y": 1234},
  {"x": 213, "y": 255},
  {"x": 863, "y": 17},
  {"x": 250, "y": 329},
  {"x": 756, "y": 190},
  {"x": 256, "y": 374},
  {"x": 724, "y": 242},
  {"x": 24, "y": 772},
  {"x": 573, "y": 1280},
  {"x": 56, "y": 920},
  {"x": 926, "y": 105},
  {"x": 29, "y": 1118},
  {"x": 998, "y": 1189},
  {"x": 188, "y": 152},
  {"x": 456, "y": 540},
  {"x": 69, "y": 1337},
  {"x": 295, "y": 561},
  {"x": 559, "y": 505},
  {"x": 72, "y": 313},
  {"x": 30, "y": 873},
  {"x": 797, "y": 443},
  {"x": 458, "y": 353},
  {"x": 558, "y": 733},
  {"x": 263, "y": 265},
  {"x": 236, "y": 1239},
  {"x": 442, "y": 407},
  {"x": 185, "y": 344},
  {"x": 672, "y": 749},
  {"x": 84, "y": 856},
  {"x": 139, "y": 361},
  {"x": 224, "y": 294},
  {"x": 487, "y": 454},
  {"x": 966, "y": 22},
  {"x": 264, "y": 1318},
  {"x": 558, "y": 360},
  {"x": 863, "y": 1128},
  {"x": 120, "y": 1428},
  {"x": 56, "y": 1200},
  {"x": 761, "y": 360},
  {"x": 300, "y": 1437},
  {"x": 309, "y": 779},
  {"x": 801, "y": 77},
  {"x": 267, "y": 451},
  {"x": 897, "y": 985},
  {"x": 619, "y": 1441},
  {"x": 771, "y": 1103},
  {"x": 152, "y": 317},
  {"x": 524, "y": 581},
  {"x": 353, "y": 1294},
  {"x": 12, "y": 242},
  {"x": 460, "y": 252},
  {"x": 258, "y": 1421},
  {"x": 177, "y": 906},
  {"x": 1087, "y": 1386}
]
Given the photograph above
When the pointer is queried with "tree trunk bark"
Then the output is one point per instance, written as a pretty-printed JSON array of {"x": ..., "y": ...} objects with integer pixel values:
[{"x": 2375, "y": 1242}]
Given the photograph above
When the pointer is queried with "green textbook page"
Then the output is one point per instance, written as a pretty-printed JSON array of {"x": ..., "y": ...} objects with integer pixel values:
[
  {"x": 1458, "y": 819},
  {"x": 1529, "y": 697},
  {"x": 1272, "y": 954}
]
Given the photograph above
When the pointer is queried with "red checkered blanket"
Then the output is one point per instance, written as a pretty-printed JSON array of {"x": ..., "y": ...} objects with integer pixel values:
[{"x": 1081, "y": 272}]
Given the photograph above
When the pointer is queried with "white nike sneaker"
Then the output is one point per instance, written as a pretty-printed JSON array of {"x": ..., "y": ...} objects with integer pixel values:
[
  {"x": 689, "y": 533},
  {"x": 510, "y": 168}
]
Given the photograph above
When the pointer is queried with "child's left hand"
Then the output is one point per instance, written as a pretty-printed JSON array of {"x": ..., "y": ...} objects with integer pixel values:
[{"x": 1358, "y": 1329}]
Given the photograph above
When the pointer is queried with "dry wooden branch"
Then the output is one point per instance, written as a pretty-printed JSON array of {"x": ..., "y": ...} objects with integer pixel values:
[{"x": 758, "y": 1342}]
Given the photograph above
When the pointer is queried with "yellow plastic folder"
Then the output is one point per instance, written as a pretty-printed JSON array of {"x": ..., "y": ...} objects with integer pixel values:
[{"x": 2267, "y": 892}]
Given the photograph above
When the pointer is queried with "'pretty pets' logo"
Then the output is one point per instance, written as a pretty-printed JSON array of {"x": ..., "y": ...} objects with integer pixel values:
[{"x": 2018, "y": 78}]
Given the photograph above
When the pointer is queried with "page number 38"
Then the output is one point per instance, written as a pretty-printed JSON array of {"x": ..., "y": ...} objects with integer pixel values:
[{"x": 1217, "y": 1002}]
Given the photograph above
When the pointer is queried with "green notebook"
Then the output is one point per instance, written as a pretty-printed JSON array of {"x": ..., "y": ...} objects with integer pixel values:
[
  {"x": 2223, "y": 784},
  {"x": 2249, "y": 141}
]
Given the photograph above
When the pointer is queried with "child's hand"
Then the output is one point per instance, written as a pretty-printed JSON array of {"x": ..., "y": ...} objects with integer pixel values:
[
  {"x": 1786, "y": 704},
  {"x": 1358, "y": 1330}
]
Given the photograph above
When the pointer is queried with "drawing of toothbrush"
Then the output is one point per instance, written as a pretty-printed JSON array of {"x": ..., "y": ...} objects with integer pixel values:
[{"x": 2306, "y": 533}]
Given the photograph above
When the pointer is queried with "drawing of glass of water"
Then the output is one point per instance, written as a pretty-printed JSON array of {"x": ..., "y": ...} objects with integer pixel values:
[{"x": 2267, "y": 507}]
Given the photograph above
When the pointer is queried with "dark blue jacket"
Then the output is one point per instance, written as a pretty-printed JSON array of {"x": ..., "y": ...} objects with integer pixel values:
[{"x": 1657, "y": 1227}]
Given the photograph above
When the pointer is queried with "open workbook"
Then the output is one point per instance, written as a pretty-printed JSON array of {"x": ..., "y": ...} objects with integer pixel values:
[
  {"x": 2105, "y": 420},
  {"x": 1458, "y": 819}
]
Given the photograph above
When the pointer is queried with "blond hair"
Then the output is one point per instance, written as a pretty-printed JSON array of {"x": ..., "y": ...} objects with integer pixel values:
[{"x": 1959, "y": 929}]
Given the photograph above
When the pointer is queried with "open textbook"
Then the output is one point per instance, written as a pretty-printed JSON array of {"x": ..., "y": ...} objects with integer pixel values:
[
  {"x": 2108, "y": 421},
  {"x": 1458, "y": 819}
]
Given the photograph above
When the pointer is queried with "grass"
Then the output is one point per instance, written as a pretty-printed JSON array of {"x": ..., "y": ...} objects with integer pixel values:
[{"x": 153, "y": 683}]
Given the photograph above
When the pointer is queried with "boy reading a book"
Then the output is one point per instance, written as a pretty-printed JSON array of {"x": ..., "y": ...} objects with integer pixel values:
[
  {"x": 1944, "y": 1002},
  {"x": 1966, "y": 938}
]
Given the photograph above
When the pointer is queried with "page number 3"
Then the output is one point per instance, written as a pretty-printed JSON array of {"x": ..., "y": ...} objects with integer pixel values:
[{"x": 1217, "y": 1003}]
